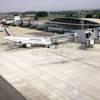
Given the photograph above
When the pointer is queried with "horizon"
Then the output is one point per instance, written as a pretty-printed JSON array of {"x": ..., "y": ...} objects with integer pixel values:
[{"x": 51, "y": 10}]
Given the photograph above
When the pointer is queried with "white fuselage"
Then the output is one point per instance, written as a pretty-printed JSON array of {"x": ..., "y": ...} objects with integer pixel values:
[{"x": 31, "y": 41}]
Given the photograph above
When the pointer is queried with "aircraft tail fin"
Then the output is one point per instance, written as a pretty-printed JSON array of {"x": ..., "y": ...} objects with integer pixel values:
[{"x": 7, "y": 32}]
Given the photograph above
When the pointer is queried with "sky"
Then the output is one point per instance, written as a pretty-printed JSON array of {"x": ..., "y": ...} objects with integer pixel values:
[{"x": 47, "y": 5}]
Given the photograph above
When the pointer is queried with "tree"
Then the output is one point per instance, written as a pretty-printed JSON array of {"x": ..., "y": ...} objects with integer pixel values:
[
  {"x": 89, "y": 16},
  {"x": 98, "y": 15},
  {"x": 42, "y": 14}
]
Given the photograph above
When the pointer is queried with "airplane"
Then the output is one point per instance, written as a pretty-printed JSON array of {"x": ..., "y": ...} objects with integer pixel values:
[
  {"x": 26, "y": 41},
  {"x": 45, "y": 41}
]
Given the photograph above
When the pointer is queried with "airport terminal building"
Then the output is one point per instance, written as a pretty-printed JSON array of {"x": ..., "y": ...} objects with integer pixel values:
[{"x": 72, "y": 23}]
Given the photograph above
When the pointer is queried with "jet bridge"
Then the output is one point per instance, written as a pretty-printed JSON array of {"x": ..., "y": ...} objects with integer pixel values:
[
  {"x": 61, "y": 38},
  {"x": 85, "y": 38}
]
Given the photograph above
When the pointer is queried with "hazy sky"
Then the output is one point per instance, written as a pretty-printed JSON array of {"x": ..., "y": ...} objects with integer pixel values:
[{"x": 23, "y": 5}]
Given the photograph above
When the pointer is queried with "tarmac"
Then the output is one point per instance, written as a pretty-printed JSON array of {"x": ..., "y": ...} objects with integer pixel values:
[
  {"x": 62, "y": 73},
  {"x": 7, "y": 92}
]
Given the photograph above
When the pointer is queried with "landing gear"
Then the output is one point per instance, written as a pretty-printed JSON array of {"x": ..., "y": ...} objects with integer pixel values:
[
  {"x": 48, "y": 46},
  {"x": 53, "y": 46},
  {"x": 28, "y": 45}
]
